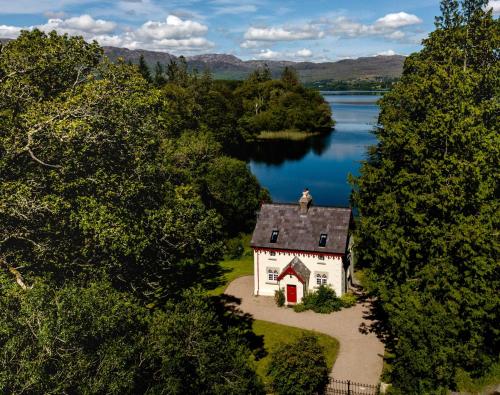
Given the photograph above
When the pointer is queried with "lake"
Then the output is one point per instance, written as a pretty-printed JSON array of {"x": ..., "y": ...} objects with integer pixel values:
[{"x": 320, "y": 163}]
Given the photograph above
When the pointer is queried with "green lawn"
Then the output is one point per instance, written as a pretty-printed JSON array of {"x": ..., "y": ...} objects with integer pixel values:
[
  {"x": 274, "y": 334},
  {"x": 234, "y": 268}
]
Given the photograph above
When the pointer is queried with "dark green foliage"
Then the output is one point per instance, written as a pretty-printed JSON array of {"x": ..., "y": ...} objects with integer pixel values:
[
  {"x": 69, "y": 340},
  {"x": 274, "y": 105},
  {"x": 279, "y": 297},
  {"x": 428, "y": 204},
  {"x": 93, "y": 339},
  {"x": 159, "y": 77},
  {"x": 238, "y": 199},
  {"x": 105, "y": 217},
  {"x": 234, "y": 248},
  {"x": 299, "y": 367},
  {"x": 323, "y": 300},
  {"x": 144, "y": 69},
  {"x": 193, "y": 353}
]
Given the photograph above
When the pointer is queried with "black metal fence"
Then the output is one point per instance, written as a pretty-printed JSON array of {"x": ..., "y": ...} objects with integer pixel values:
[{"x": 348, "y": 387}]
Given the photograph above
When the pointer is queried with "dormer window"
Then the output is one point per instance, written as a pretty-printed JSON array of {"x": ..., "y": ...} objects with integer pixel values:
[
  {"x": 322, "y": 239},
  {"x": 274, "y": 236}
]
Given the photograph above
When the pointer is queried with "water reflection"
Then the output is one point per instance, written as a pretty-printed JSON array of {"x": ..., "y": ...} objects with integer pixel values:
[
  {"x": 321, "y": 163},
  {"x": 276, "y": 152}
]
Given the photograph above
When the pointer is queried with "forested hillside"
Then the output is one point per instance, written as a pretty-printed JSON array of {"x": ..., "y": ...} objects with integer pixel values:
[
  {"x": 429, "y": 207},
  {"x": 116, "y": 196}
]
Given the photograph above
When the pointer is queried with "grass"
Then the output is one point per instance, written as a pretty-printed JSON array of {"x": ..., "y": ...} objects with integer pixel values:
[
  {"x": 275, "y": 334},
  {"x": 234, "y": 268},
  {"x": 294, "y": 135}
]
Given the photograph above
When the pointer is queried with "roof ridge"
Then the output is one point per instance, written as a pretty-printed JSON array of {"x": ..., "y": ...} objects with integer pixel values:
[{"x": 312, "y": 205}]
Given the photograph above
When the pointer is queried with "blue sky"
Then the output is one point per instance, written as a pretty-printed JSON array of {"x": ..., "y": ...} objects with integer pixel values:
[{"x": 312, "y": 30}]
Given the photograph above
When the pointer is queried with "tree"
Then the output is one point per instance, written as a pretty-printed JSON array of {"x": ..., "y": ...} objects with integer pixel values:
[
  {"x": 144, "y": 69},
  {"x": 85, "y": 187},
  {"x": 428, "y": 206},
  {"x": 237, "y": 200},
  {"x": 159, "y": 78},
  {"x": 196, "y": 354},
  {"x": 299, "y": 367},
  {"x": 289, "y": 77},
  {"x": 69, "y": 340}
]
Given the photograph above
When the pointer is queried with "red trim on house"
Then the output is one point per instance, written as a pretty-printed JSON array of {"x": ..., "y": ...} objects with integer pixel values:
[
  {"x": 290, "y": 270},
  {"x": 298, "y": 252}
]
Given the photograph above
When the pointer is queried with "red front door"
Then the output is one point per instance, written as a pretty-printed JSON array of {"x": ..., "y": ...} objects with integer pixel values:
[{"x": 291, "y": 293}]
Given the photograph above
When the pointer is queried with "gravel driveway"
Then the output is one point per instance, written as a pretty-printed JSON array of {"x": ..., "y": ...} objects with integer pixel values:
[{"x": 360, "y": 355}]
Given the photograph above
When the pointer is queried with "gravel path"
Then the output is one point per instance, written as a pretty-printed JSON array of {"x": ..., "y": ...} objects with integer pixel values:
[{"x": 360, "y": 355}]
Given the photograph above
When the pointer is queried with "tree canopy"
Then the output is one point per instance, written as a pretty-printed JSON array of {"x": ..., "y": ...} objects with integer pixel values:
[
  {"x": 109, "y": 211},
  {"x": 283, "y": 104},
  {"x": 428, "y": 204}
]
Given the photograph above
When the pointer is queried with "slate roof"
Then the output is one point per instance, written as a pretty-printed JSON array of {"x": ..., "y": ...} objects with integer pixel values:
[
  {"x": 302, "y": 232},
  {"x": 298, "y": 267}
]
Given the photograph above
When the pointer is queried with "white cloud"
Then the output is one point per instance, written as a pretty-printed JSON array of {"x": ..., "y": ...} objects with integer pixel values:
[
  {"x": 389, "y": 52},
  {"x": 304, "y": 53},
  {"x": 396, "y": 35},
  {"x": 495, "y": 4},
  {"x": 248, "y": 44},
  {"x": 268, "y": 54},
  {"x": 173, "y": 28},
  {"x": 9, "y": 31},
  {"x": 396, "y": 20},
  {"x": 81, "y": 25},
  {"x": 281, "y": 34},
  {"x": 386, "y": 26},
  {"x": 175, "y": 34}
]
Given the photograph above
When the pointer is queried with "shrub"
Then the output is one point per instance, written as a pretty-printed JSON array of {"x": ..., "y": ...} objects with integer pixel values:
[
  {"x": 234, "y": 248},
  {"x": 299, "y": 367},
  {"x": 323, "y": 301},
  {"x": 279, "y": 297},
  {"x": 348, "y": 300},
  {"x": 299, "y": 308}
]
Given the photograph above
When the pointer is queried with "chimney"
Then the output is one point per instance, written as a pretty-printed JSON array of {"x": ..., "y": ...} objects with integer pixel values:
[{"x": 305, "y": 201}]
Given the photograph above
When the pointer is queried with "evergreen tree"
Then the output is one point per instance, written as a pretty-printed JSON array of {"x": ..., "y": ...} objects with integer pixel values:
[
  {"x": 289, "y": 77},
  {"x": 144, "y": 69},
  {"x": 159, "y": 77},
  {"x": 428, "y": 204}
]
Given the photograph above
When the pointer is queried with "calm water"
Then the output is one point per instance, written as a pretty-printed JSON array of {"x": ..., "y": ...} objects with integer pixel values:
[{"x": 320, "y": 163}]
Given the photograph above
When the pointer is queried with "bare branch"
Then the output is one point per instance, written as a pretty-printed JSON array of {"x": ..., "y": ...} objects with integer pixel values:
[
  {"x": 17, "y": 275},
  {"x": 40, "y": 161}
]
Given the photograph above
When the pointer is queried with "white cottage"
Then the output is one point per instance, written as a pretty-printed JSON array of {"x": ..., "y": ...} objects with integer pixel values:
[{"x": 299, "y": 247}]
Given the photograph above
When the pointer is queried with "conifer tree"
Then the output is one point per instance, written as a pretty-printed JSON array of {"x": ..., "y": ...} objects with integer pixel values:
[
  {"x": 144, "y": 69},
  {"x": 159, "y": 78},
  {"x": 428, "y": 203}
]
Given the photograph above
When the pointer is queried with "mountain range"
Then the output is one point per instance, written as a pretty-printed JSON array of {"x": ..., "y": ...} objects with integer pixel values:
[{"x": 225, "y": 66}]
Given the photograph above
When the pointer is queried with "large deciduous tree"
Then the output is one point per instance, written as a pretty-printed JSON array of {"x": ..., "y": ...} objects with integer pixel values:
[{"x": 429, "y": 208}]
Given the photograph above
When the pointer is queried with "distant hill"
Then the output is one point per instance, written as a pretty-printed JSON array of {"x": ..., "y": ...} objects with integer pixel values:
[{"x": 225, "y": 66}]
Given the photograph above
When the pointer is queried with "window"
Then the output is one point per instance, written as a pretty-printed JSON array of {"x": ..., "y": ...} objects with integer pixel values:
[
  {"x": 321, "y": 279},
  {"x": 272, "y": 274},
  {"x": 272, "y": 253},
  {"x": 322, "y": 239},
  {"x": 321, "y": 257},
  {"x": 274, "y": 236}
]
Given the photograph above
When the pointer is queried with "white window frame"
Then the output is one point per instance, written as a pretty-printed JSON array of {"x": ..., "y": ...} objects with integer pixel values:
[
  {"x": 321, "y": 279},
  {"x": 272, "y": 274}
]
